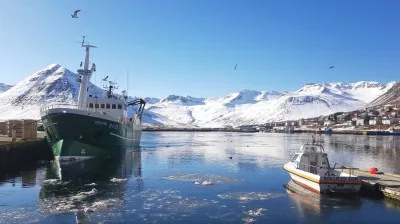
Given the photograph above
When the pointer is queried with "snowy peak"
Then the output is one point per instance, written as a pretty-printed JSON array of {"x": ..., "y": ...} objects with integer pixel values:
[
  {"x": 183, "y": 100},
  {"x": 151, "y": 100},
  {"x": 367, "y": 84},
  {"x": 248, "y": 97},
  {"x": 312, "y": 89},
  {"x": 51, "y": 84},
  {"x": 4, "y": 87},
  {"x": 342, "y": 85}
]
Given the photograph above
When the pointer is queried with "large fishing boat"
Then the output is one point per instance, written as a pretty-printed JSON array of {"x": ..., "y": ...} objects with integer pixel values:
[{"x": 96, "y": 125}]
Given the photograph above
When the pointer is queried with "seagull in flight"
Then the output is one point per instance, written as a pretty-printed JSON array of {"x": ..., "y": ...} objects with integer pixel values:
[
  {"x": 75, "y": 15},
  {"x": 105, "y": 79},
  {"x": 235, "y": 66},
  {"x": 331, "y": 67}
]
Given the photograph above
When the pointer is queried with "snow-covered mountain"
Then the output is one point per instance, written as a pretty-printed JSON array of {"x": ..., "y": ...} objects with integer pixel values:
[
  {"x": 391, "y": 96},
  {"x": 256, "y": 107},
  {"x": 4, "y": 87},
  {"x": 53, "y": 84},
  {"x": 57, "y": 84}
]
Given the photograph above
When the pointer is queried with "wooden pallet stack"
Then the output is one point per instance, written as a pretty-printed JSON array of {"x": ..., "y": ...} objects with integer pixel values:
[
  {"x": 3, "y": 128},
  {"x": 23, "y": 128},
  {"x": 18, "y": 126},
  {"x": 30, "y": 128}
]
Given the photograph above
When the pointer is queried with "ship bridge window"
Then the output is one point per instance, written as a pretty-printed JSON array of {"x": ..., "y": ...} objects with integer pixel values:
[
  {"x": 119, "y": 106},
  {"x": 114, "y": 106},
  {"x": 107, "y": 106},
  {"x": 96, "y": 105},
  {"x": 91, "y": 105},
  {"x": 102, "y": 106}
]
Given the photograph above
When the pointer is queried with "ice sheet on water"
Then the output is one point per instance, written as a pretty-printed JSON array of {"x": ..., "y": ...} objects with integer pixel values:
[
  {"x": 250, "y": 196},
  {"x": 170, "y": 200},
  {"x": 19, "y": 215},
  {"x": 201, "y": 179}
]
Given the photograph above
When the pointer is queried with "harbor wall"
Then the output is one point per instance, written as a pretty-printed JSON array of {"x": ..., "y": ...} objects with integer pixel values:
[{"x": 24, "y": 153}]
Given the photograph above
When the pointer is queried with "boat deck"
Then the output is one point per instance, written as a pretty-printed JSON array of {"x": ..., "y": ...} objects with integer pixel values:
[{"x": 387, "y": 183}]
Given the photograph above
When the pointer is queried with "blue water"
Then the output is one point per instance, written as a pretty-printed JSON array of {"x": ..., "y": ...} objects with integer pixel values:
[{"x": 188, "y": 177}]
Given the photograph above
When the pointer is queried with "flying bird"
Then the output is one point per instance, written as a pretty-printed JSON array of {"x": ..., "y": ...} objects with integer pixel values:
[
  {"x": 331, "y": 67},
  {"x": 75, "y": 15},
  {"x": 235, "y": 67},
  {"x": 105, "y": 79}
]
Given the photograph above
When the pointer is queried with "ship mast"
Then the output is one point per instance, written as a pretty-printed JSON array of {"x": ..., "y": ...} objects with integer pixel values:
[{"x": 85, "y": 75}]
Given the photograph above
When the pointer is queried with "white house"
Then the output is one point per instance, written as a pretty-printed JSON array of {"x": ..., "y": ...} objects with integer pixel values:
[
  {"x": 359, "y": 121},
  {"x": 375, "y": 120},
  {"x": 327, "y": 123},
  {"x": 387, "y": 120}
]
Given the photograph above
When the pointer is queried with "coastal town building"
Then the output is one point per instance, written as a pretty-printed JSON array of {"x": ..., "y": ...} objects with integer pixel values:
[
  {"x": 375, "y": 120},
  {"x": 359, "y": 121}
]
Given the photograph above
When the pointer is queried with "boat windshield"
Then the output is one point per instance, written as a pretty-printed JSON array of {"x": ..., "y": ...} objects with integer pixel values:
[
  {"x": 313, "y": 148},
  {"x": 295, "y": 157}
]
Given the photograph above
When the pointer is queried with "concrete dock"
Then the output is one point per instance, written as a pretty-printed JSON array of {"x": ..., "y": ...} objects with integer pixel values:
[
  {"x": 23, "y": 151},
  {"x": 388, "y": 184}
]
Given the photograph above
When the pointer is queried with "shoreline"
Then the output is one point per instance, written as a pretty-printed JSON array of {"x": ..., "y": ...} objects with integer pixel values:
[{"x": 348, "y": 132}]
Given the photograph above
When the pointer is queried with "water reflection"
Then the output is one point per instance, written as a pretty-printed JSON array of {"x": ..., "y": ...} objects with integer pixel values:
[
  {"x": 91, "y": 185},
  {"x": 317, "y": 208}
]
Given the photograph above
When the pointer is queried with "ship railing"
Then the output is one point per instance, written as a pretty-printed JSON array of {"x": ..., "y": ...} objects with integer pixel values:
[
  {"x": 98, "y": 111},
  {"x": 343, "y": 168},
  {"x": 330, "y": 171}
]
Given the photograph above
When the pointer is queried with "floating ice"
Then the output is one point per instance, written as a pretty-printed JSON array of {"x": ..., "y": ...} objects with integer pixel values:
[
  {"x": 91, "y": 184},
  {"x": 249, "y": 196},
  {"x": 257, "y": 212},
  {"x": 118, "y": 180},
  {"x": 205, "y": 183},
  {"x": 82, "y": 195},
  {"x": 88, "y": 210},
  {"x": 248, "y": 220},
  {"x": 201, "y": 179},
  {"x": 51, "y": 181}
]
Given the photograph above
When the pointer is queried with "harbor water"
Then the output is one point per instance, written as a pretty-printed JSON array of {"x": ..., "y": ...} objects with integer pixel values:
[{"x": 197, "y": 177}]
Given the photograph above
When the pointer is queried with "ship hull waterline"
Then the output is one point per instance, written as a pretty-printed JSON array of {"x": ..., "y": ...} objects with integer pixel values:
[{"x": 78, "y": 136}]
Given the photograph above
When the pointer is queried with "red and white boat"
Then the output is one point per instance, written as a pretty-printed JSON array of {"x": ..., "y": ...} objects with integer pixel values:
[{"x": 310, "y": 169}]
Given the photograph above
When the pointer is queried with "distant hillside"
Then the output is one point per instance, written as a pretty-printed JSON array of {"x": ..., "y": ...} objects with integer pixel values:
[
  {"x": 393, "y": 94},
  {"x": 4, "y": 87}
]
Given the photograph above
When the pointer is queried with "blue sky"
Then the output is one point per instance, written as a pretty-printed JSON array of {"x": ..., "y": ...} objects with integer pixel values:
[{"x": 190, "y": 47}]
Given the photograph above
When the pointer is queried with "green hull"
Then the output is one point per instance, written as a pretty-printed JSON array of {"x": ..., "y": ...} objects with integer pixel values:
[{"x": 76, "y": 136}]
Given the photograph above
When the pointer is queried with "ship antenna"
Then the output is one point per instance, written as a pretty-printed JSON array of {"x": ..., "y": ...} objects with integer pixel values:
[
  {"x": 83, "y": 40},
  {"x": 127, "y": 82},
  {"x": 85, "y": 75}
]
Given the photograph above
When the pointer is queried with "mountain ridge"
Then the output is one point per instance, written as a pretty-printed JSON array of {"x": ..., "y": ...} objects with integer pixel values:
[{"x": 56, "y": 84}]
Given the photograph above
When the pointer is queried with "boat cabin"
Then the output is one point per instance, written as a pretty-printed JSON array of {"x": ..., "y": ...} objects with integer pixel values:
[
  {"x": 312, "y": 159},
  {"x": 111, "y": 106}
]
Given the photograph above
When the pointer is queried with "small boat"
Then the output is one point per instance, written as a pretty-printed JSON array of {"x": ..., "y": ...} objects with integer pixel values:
[
  {"x": 328, "y": 131},
  {"x": 311, "y": 170}
]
